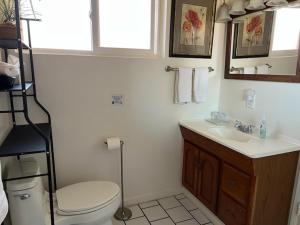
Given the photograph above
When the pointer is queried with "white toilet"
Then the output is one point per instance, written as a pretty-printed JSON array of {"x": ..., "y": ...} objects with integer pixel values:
[{"x": 86, "y": 203}]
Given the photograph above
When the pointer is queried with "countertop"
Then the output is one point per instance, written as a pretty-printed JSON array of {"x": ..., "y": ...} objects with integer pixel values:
[{"x": 254, "y": 148}]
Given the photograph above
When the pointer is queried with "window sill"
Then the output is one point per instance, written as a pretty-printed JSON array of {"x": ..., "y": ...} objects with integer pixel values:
[{"x": 66, "y": 52}]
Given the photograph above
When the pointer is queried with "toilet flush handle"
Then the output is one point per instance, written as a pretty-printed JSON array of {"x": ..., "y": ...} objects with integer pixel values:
[{"x": 23, "y": 196}]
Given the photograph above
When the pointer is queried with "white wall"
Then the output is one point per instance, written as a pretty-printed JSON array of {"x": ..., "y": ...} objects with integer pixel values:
[{"x": 77, "y": 91}]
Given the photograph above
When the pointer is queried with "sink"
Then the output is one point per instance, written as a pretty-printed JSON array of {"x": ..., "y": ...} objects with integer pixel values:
[{"x": 229, "y": 133}]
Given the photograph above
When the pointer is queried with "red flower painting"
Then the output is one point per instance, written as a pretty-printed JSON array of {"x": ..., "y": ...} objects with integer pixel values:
[
  {"x": 254, "y": 29},
  {"x": 193, "y": 24}
]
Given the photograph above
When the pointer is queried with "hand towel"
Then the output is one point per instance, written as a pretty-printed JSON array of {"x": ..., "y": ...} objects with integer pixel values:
[
  {"x": 249, "y": 70},
  {"x": 3, "y": 201},
  {"x": 9, "y": 69},
  {"x": 183, "y": 85},
  {"x": 200, "y": 84},
  {"x": 263, "y": 69}
]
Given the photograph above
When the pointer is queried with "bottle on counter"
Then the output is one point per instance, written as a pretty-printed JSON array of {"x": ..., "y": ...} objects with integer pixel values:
[{"x": 263, "y": 128}]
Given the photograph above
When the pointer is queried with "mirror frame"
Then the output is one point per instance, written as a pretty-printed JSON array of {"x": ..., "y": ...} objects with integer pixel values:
[{"x": 256, "y": 77}]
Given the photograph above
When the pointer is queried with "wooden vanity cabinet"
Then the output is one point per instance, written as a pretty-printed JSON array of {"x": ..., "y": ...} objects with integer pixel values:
[
  {"x": 238, "y": 189},
  {"x": 200, "y": 174}
]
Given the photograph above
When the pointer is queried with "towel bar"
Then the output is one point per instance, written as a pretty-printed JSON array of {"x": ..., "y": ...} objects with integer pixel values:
[
  {"x": 241, "y": 68},
  {"x": 169, "y": 68}
]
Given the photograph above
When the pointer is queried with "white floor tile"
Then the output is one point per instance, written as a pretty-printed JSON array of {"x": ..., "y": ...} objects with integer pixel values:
[
  {"x": 179, "y": 214},
  {"x": 167, "y": 221},
  {"x": 168, "y": 203},
  {"x": 180, "y": 196},
  {"x": 155, "y": 213},
  {"x": 188, "y": 204},
  {"x": 189, "y": 222},
  {"x": 136, "y": 211},
  {"x": 117, "y": 222},
  {"x": 199, "y": 216},
  {"x": 138, "y": 221},
  {"x": 148, "y": 204}
]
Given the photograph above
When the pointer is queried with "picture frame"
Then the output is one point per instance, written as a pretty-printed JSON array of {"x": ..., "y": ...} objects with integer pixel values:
[
  {"x": 192, "y": 28},
  {"x": 252, "y": 35}
]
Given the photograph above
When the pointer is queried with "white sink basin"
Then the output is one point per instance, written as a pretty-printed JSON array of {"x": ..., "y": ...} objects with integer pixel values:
[{"x": 229, "y": 133}]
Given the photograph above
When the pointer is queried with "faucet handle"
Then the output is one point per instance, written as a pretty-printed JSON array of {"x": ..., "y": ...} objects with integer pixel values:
[{"x": 237, "y": 123}]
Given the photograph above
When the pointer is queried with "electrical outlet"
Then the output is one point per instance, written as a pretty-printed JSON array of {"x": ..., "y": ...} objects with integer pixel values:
[{"x": 117, "y": 100}]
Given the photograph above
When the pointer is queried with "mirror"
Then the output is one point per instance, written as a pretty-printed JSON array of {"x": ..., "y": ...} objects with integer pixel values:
[{"x": 264, "y": 45}]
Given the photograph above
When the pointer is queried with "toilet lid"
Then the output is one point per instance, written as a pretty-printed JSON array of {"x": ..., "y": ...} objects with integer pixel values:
[{"x": 85, "y": 196}]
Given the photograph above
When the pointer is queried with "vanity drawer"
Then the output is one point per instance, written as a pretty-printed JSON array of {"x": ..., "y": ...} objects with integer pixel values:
[
  {"x": 236, "y": 184},
  {"x": 230, "y": 212}
]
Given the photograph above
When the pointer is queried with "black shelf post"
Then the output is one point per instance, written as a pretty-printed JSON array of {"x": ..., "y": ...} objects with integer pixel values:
[{"x": 31, "y": 138}]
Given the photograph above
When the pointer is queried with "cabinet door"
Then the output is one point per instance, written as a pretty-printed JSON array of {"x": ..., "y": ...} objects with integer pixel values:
[
  {"x": 190, "y": 163},
  {"x": 208, "y": 172}
]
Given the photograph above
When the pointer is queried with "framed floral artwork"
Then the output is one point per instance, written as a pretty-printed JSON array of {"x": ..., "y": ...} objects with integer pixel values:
[
  {"x": 252, "y": 35},
  {"x": 192, "y": 28}
]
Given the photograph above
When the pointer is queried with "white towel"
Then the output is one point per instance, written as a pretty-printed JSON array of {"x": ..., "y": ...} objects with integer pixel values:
[
  {"x": 183, "y": 85},
  {"x": 9, "y": 69},
  {"x": 3, "y": 201},
  {"x": 263, "y": 69},
  {"x": 249, "y": 70},
  {"x": 200, "y": 84}
]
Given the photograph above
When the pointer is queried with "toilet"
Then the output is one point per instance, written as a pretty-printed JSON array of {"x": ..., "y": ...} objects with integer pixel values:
[{"x": 85, "y": 203}]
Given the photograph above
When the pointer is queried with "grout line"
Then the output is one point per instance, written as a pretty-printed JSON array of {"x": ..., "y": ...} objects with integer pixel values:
[
  {"x": 190, "y": 213},
  {"x": 135, "y": 218},
  {"x": 186, "y": 208},
  {"x": 193, "y": 210},
  {"x": 144, "y": 214},
  {"x": 148, "y": 206},
  {"x": 180, "y": 198},
  {"x": 166, "y": 212},
  {"x": 159, "y": 219},
  {"x": 166, "y": 197}
]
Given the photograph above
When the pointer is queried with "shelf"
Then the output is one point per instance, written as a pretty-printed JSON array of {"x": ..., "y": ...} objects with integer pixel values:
[
  {"x": 23, "y": 139},
  {"x": 18, "y": 87},
  {"x": 11, "y": 44}
]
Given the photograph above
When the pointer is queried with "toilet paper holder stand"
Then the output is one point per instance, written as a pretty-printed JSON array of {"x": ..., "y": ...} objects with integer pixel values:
[{"x": 123, "y": 213}]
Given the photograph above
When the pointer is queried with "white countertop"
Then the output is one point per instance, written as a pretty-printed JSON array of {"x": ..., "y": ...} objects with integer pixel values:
[{"x": 254, "y": 148}]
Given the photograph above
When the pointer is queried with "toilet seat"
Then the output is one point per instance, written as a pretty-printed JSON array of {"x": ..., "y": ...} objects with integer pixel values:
[{"x": 85, "y": 197}]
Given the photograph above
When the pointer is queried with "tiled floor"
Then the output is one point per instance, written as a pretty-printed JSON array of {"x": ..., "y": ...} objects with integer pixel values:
[{"x": 172, "y": 210}]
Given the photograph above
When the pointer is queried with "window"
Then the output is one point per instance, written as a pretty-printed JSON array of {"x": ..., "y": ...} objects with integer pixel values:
[
  {"x": 65, "y": 24},
  {"x": 114, "y": 27},
  {"x": 125, "y": 24},
  {"x": 286, "y": 31}
]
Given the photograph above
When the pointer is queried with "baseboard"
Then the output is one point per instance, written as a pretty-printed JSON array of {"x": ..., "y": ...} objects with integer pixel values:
[
  {"x": 210, "y": 215},
  {"x": 152, "y": 196}
]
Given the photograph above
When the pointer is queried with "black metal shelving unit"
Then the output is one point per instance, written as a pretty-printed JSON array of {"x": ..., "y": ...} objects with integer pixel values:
[{"x": 31, "y": 138}]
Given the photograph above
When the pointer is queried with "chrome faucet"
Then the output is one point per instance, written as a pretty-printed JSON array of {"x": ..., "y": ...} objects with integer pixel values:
[{"x": 243, "y": 127}]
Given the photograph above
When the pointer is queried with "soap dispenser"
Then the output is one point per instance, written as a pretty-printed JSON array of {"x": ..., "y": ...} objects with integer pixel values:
[{"x": 263, "y": 127}]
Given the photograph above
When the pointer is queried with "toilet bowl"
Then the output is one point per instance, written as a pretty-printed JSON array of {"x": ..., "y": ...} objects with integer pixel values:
[{"x": 86, "y": 203}]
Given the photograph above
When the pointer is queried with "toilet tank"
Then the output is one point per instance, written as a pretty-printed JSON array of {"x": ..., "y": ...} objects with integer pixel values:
[{"x": 26, "y": 201}]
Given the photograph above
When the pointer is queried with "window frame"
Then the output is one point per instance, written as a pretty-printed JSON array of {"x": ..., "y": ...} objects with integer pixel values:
[{"x": 157, "y": 24}]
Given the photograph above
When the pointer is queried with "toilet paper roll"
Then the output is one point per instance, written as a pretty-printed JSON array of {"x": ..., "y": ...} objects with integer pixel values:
[{"x": 113, "y": 143}]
